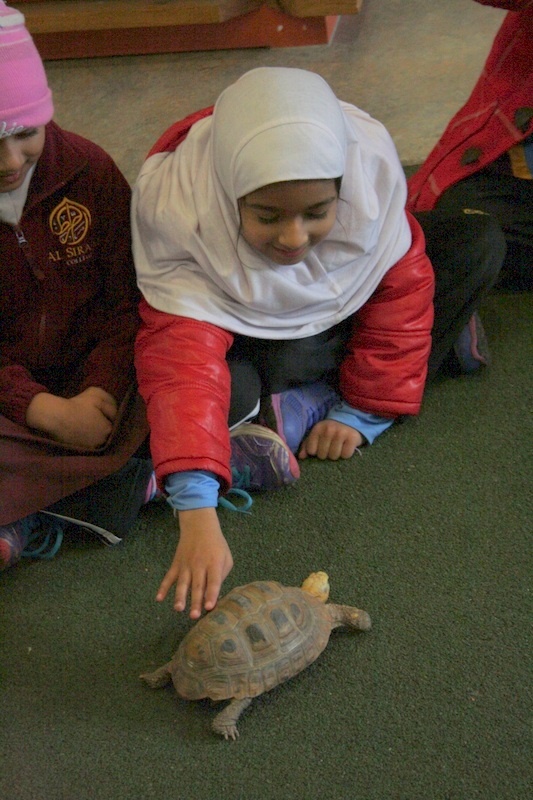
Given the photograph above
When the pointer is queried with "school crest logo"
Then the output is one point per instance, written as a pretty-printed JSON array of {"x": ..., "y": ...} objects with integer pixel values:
[{"x": 70, "y": 222}]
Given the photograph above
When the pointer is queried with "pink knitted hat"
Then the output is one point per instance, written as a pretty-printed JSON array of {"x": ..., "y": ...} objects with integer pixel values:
[{"x": 25, "y": 99}]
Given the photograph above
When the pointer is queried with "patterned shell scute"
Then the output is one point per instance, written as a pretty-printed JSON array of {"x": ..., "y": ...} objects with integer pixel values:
[{"x": 258, "y": 636}]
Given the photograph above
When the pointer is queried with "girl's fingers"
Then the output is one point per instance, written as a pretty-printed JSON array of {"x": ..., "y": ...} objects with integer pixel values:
[
  {"x": 197, "y": 594},
  {"x": 212, "y": 591},
  {"x": 182, "y": 590},
  {"x": 166, "y": 583}
]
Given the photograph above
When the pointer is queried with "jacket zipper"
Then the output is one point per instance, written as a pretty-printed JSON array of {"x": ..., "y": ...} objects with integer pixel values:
[
  {"x": 39, "y": 274},
  {"x": 21, "y": 239}
]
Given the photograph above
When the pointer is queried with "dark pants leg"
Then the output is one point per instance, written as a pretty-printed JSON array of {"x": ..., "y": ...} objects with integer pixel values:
[
  {"x": 245, "y": 390},
  {"x": 260, "y": 367},
  {"x": 113, "y": 502},
  {"x": 508, "y": 200},
  {"x": 466, "y": 251}
]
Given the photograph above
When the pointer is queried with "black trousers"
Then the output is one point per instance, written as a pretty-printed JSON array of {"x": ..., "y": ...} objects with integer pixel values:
[
  {"x": 466, "y": 251},
  {"x": 260, "y": 367},
  {"x": 509, "y": 201},
  {"x": 113, "y": 502}
]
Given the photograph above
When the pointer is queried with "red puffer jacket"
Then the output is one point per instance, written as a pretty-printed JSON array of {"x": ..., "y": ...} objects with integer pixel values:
[
  {"x": 185, "y": 381},
  {"x": 497, "y": 115}
]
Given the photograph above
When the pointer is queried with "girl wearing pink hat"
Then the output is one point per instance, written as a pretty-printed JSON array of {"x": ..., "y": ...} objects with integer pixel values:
[{"x": 71, "y": 421}]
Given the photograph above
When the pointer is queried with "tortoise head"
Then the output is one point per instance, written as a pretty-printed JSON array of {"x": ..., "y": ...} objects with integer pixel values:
[{"x": 317, "y": 584}]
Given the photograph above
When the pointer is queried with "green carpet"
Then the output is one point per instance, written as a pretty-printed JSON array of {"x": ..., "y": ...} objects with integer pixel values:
[{"x": 428, "y": 531}]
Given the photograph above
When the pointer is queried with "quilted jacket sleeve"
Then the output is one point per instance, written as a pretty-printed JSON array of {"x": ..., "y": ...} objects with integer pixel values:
[
  {"x": 385, "y": 369},
  {"x": 185, "y": 382},
  {"x": 509, "y": 5},
  {"x": 496, "y": 116}
]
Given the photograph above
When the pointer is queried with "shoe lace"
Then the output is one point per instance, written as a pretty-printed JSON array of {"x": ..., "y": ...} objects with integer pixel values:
[
  {"x": 241, "y": 481},
  {"x": 223, "y": 502},
  {"x": 43, "y": 544}
]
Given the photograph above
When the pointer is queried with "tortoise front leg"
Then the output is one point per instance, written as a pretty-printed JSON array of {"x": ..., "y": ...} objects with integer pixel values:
[{"x": 225, "y": 722}]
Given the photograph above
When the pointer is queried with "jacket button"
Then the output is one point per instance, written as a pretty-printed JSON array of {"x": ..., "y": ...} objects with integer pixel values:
[
  {"x": 522, "y": 118},
  {"x": 471, "y": 155}
]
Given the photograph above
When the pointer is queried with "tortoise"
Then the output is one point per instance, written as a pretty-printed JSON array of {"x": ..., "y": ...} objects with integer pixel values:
[{"x": 257, "y": 636}]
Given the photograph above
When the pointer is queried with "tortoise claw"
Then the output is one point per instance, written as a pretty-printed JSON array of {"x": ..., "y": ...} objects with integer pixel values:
[
  {"x": 231, "y": 733},
  {"x": 228, "y": 731},
  {"x": 225, "y": 723}
]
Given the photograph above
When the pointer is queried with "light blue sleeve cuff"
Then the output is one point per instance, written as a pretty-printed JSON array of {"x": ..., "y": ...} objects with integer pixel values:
[
  {"x": 192, "y": 489},
  {"x": 369, "y": 425}
]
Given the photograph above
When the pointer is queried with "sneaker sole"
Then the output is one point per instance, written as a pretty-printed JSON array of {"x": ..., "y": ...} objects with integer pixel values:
[{"x": 282, "y": 473}]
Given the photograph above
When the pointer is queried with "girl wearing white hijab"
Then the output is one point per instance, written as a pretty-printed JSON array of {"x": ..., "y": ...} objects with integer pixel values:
[{"x": 277, "y": 264}]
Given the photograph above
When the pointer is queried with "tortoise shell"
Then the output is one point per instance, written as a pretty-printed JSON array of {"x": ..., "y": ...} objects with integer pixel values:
[{"x": 258, "y": 636}]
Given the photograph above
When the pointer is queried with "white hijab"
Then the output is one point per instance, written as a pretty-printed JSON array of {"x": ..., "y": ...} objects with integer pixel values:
[{"x": 274, "y": 124}]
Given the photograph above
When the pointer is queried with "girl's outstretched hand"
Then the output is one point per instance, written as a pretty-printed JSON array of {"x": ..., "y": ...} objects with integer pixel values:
[
  {"x": 331, "y": 440},
  {"x": 201, "y": 563}
]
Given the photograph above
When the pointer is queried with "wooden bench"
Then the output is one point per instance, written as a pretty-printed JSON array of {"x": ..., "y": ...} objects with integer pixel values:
[{"x": 87, "y": 28}]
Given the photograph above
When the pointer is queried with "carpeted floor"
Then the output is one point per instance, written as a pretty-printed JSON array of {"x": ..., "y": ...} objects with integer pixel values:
[{"x": 429, "y": 530}]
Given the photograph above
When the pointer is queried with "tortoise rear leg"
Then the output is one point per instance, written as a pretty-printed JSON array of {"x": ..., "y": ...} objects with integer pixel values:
[
  {"x": 159, "y": 678},
  {"x": 348, "y": 615},
  {"x": 225, "y": 722}
]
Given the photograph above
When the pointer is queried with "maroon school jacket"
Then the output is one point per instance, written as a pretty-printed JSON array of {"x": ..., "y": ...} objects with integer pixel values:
[{"x": 68, "y": 319}]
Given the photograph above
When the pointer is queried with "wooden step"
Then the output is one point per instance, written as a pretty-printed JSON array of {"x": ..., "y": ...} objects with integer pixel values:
[
  {"x": 88, "y": 28},
  {"x": 55, "y": 16}
]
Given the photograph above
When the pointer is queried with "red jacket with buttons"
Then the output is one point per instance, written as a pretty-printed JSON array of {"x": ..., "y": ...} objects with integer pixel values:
[
  {"x": 497, "y": 115},
  {"x": 184, "y": 376}
]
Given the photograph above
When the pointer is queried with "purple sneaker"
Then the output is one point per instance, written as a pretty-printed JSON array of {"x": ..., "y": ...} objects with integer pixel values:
[
  {"x": 260, "y": 459},
  {"x": 294, "y": 412},
  {"x": 30, "y": 537},
  {"x": 13, "y": 540},
  {"x": 17, "y": 540},
  {"x": 471, "y": 347}
]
